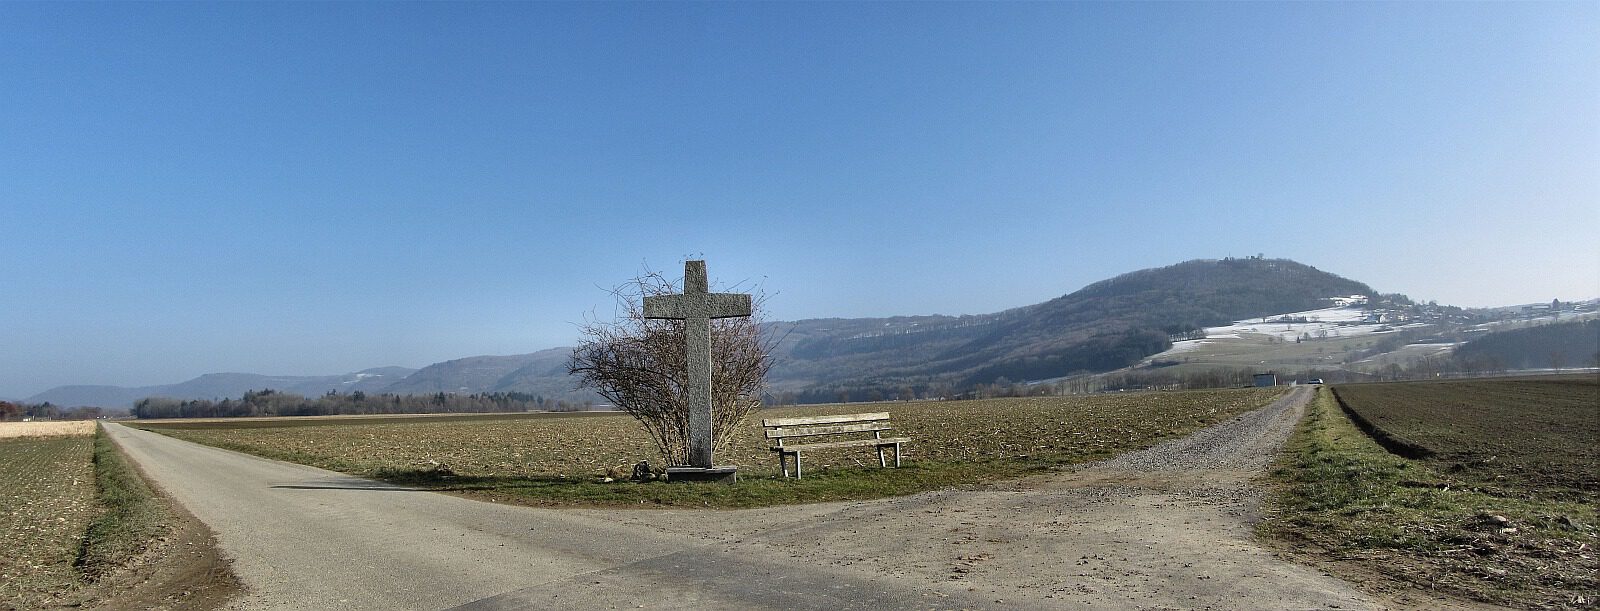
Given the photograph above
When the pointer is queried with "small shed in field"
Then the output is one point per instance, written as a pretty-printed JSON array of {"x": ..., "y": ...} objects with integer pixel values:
[{"x": 1266, "y": 379}]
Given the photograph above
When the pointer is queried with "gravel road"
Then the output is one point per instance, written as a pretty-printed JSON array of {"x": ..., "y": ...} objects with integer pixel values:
[{"x": 1164, "y": 528}]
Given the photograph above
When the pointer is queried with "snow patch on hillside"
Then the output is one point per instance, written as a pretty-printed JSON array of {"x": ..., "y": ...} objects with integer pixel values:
[
  {"x": 1344, "y": 321},
  {"x": 1348, "y": 318}
]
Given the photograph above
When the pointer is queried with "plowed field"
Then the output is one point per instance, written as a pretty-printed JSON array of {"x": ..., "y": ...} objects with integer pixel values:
[{"x": 1525, "y": 436}]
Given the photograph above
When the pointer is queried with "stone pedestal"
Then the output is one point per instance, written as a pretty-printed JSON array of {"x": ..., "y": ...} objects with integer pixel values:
[{"x": 721, "y": 475}]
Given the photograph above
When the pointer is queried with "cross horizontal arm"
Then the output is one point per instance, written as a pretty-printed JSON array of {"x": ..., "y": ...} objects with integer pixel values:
[
  {"x": 665, "y": 306},
  {"x": 703, "y": 305},
  {"x": 727, "y": 305}
]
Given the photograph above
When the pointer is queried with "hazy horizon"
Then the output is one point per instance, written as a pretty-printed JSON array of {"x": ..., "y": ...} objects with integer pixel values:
[
  {"x": 461, "y": 356},
  {"x": 311, "y": 189}
]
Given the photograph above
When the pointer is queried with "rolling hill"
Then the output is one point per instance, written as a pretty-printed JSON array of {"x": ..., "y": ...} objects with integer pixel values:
[
  {"x": 1104, "y": 326},
  {"x": 539, "y": 373},
  {"x": 223, "y": 385},
  {"x": 1559, "y": 345}
]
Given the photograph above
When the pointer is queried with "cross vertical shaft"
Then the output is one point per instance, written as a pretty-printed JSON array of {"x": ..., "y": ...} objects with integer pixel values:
[
  {"x": 697, "y": 338},
  {"x": 696, "y": 307}
]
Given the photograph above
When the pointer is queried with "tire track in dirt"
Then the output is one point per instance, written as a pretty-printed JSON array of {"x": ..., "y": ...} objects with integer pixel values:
[
  {"x": 304, "y": 538},
  {"x": 1169, "y": 527},
  {"x": 1164, "y": 528}
]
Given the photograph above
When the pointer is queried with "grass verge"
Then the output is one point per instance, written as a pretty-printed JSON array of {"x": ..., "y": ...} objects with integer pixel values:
[
  {"x": 1345, "y": 502},
  {"x": 131, "y": 515},
  {"x": 835, "y": 484}
]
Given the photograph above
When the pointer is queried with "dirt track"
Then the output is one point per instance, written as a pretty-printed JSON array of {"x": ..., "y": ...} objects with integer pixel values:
[{"x": 1164, "y": 528}]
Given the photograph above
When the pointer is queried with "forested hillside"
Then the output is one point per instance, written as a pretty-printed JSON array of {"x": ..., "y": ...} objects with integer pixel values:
[
  {"x": 1555, "y": 346},
  {"x": 1104, "y": 326}
]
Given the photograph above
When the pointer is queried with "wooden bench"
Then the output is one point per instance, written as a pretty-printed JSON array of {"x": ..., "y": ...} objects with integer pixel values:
[{"x": 820, "y": 426}]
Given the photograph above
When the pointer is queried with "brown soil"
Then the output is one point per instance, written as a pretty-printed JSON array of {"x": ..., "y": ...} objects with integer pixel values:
[
  {"x": 182, "y": 570},
  {"x": 1391, "y": 585},
  {"x": 1171, "y": 527}
]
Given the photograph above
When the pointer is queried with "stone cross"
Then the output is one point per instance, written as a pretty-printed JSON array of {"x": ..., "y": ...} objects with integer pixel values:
[{"x": 696, "y": 307}]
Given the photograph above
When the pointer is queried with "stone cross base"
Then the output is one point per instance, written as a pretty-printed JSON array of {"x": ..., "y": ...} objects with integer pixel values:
[{"x": 722, "y": 475}]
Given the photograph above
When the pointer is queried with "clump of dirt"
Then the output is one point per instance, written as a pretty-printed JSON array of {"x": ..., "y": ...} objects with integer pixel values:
[{"x": 183, "y": 570}]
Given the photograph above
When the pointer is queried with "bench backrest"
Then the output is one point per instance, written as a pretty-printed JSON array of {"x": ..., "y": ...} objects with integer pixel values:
[{"x": 808, "y": 426}]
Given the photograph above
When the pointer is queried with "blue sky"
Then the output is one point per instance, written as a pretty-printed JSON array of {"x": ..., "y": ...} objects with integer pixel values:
[{"x": 318, "y": 188}]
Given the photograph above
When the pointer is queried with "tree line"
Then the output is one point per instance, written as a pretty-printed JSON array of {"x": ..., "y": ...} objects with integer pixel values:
[
  {"x": 274, "y": 403},
  {"x": 45, "y": 411},
  {"x": 1080, "y": 382}
]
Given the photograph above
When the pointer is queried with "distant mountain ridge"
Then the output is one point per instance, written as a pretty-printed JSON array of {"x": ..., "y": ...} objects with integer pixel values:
[
  {"x": 1104, "y": 326},
  {"x": 539, "y": 373},
  {"x": 224, "y": 385}
]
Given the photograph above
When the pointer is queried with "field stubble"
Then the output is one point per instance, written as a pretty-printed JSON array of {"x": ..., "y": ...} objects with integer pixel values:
[
  {"x": 563, "y": 459},
  {"x": 46, "y": 428},
  {"x": 47, "y": 501}
]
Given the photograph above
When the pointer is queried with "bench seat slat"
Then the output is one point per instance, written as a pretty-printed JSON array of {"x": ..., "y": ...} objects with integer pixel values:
[
  {"x": 819, "y": 426},
  {"x": 805, "y": 420},
  {"x": 828, "y": 429},
  {"x": 886, "y": 441}
]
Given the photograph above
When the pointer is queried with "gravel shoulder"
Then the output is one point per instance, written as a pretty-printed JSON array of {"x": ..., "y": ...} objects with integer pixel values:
[{"x": 1168, "y": 527}]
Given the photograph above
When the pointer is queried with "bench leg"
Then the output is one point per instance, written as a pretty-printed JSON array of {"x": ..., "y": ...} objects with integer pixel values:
[
  {"x": 897, "y": 456},
  {"x": 783, "y": 463},
  {"x": 882, "y": 462}
]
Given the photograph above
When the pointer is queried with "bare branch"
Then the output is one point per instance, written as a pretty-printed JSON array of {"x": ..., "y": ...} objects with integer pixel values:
[{"x": 640, "y": 365}]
